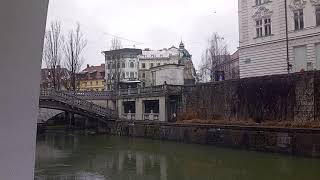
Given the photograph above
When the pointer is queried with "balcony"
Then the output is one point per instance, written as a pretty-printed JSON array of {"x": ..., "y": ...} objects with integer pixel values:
[{"x": 150, "y": 116}]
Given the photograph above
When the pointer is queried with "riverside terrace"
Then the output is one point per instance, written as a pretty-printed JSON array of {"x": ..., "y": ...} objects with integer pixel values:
[
  {"x": 159, "y": 103},
  {"x": 287, "y": 98}
]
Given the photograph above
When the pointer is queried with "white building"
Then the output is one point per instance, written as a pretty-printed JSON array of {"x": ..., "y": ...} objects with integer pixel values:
[
  {"x": 263, "y": 45},
  {"x": 149, "y": 59},
  {"x": 171, "y": 74},
  {"x": 122, "y": 67},
  {"x": 153, "y": 58}
]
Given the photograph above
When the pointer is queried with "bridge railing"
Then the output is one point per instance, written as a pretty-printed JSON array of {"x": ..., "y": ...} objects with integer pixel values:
[
  {"x": 92, "y": 94},
  {"x": 72, "y": 100}
]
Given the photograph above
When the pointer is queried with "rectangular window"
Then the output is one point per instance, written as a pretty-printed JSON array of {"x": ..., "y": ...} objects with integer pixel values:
[
  {"x": 258, "y": 2},
  {"x": 123, "y": 75},
  {"x": 151, "y": 65},
  {"x": 143, "y": 65},
  {"x": 132, "y": 75},
  {"x": 143, "y": 75},
  {"x": 318, "y": 15},
  {"x": 109, "y": 66},
  {"x": 97, "y": 82},
  {"x": 123, "y": 65},
  {"x": 259, "y": 28},
  {"x": 267, "y": 27},
  {"x": 300, "y": 58},
  {"x": 298, "y": 19},
  {"x": 127, "y": 74}
]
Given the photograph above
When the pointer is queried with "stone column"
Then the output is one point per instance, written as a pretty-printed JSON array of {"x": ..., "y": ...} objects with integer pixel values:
[
  {"x": 21, "y": 34},
  {"x": 139, "y": 109},
  {"x": 162, "y": 109},
  {"x": 120, "y": 108}
]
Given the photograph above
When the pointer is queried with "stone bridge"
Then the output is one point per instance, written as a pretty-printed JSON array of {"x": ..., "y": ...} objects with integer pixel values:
[{"x": 70, "y": 103}]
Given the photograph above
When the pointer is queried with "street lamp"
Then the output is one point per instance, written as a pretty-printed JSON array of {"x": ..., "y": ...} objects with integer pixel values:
[{"x": 287, "y": 37}]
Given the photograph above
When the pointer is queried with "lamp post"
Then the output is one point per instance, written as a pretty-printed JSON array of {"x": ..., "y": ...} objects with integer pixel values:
[{"x": 287, "y": 37}]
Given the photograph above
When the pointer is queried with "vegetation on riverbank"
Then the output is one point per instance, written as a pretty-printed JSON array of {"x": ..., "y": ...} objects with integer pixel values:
[{"x": 192, "y": 118}]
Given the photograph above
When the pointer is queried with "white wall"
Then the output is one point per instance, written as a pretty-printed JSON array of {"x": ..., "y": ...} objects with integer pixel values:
[
  {"x": 268, "y": 54},
  {"x": 21, "y": 40},
  {"x": 171, "y": 74}
]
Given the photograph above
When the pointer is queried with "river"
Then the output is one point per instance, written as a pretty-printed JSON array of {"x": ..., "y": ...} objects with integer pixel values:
[{"x": 81, "y": 157}]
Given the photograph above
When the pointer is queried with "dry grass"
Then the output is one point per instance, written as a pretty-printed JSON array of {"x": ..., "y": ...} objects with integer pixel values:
[{"x": 192, "y": 118}]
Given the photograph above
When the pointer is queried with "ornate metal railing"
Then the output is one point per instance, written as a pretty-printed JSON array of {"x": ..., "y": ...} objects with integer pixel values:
[
  {"x": 92, "y": 94},
  {"x": 74, "y": 101}
]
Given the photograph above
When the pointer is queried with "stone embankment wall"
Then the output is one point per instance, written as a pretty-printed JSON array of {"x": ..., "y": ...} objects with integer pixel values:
[
  {"x": 294, "y": 97},
  {"x": 301, "y": 142}
]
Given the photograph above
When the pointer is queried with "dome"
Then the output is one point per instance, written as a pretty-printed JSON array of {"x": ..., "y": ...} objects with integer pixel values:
[
  {"x": 184, "y": 53},
  {"x": 181, "y": 46}
]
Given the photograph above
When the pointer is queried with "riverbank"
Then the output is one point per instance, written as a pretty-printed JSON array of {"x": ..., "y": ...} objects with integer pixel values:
[{"x": 290, "y": 141}]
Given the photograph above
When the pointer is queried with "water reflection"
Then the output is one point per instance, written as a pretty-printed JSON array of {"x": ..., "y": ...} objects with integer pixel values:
[{"x": 103, "y": 158}]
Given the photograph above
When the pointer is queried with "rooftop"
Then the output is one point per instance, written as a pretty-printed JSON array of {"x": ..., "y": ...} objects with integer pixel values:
[{"x": 123, "y": 50}]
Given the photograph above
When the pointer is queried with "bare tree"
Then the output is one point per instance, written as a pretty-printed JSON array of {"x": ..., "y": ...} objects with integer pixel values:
[
  {"x": 73, "y": 48},
  {"x": 214, "y": 55},
  {"x": 52, "y": 53},
  {"x": 115, "y": 44},
  {"x": 117, "y": 65}
]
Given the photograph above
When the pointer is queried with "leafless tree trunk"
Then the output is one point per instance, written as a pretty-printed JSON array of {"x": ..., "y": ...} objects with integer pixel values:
[
  {"x": 52, "y": 53},
  {"x": 116, "y": 65},
  {"x": 213, "y": 57},
  {"x": 116, "y": 44},
  {"x": 73, "y": 48}
]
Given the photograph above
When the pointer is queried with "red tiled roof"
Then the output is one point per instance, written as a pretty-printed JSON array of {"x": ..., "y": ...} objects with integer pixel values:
[{"x": 100, "y": 70}]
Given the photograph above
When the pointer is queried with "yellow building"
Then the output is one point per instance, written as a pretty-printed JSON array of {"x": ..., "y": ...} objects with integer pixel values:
[{"x": 92, "y": 78}]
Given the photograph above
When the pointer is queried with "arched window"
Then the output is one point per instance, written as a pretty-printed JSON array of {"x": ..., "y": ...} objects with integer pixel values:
[{"x": 131, "y": 64}]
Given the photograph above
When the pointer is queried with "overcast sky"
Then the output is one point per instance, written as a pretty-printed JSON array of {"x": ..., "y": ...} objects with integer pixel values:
[{"x": 157, "y": 24}]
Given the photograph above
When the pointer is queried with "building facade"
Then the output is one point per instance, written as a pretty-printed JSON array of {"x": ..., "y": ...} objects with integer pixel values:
[
  {"x": 121, "y": 68},
  {"x": 170, "y": 74},
  {"x": 264, "y": 35},
  {"x": 153, "y": 58},
  {"x": 150, "y": 59},
  {"x": 92, "y": 78},
  {"x": 62, "y": 78},
  {"x": 228, "y": 68}
]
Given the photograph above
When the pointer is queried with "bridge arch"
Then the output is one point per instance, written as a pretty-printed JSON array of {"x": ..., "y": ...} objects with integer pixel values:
[{"x": 67, "y": 102}]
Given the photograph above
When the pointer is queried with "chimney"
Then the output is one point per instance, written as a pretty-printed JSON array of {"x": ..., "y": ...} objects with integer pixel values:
[{"x": 88, "y": 65}]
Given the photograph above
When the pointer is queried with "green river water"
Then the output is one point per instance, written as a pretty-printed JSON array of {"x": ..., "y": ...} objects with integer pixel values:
[{"x": 80, "y": 157}]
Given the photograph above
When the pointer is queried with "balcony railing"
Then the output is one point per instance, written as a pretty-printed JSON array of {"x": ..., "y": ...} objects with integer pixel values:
[
  {"x": 150, "y": 117},
  {"x": 129, "y": 116}
]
